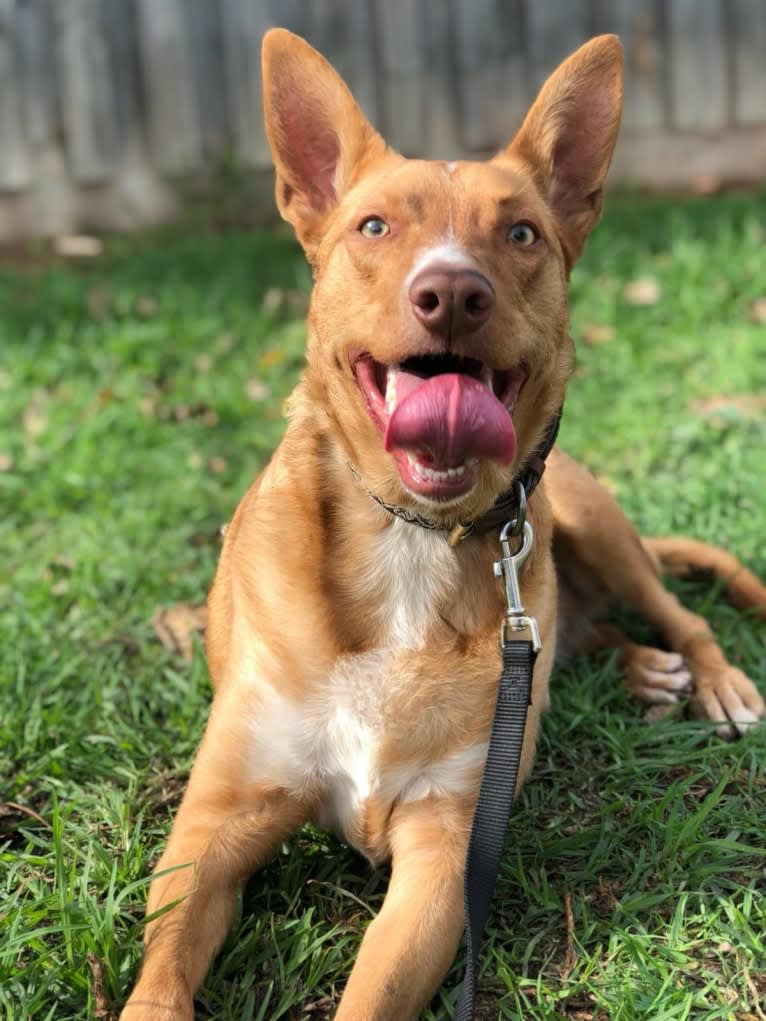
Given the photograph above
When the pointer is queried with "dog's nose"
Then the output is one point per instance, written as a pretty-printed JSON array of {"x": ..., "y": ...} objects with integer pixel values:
[{"x": 451, "y": 302}]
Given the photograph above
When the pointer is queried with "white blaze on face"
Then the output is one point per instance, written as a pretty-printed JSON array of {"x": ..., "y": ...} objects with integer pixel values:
[{"x": 447, "y": 253}]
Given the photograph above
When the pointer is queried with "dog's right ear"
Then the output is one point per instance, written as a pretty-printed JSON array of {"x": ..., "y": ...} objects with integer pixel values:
[{"x": 319, "y": 138}]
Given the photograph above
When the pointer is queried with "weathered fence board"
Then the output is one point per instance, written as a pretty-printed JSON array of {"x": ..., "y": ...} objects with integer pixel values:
[
  {"x": 749, "y": 60},
  {"x": 13, "y": 157},
  {"x": 636, "y": 22},
  {"x": 243, "y": 26},
  {"x": 553, "y": 32},
  {"x": 105, "y": 104},
  {"x": 493, "y": 68},
  {"x": 698, "y": 82},
  {"x": 174, "y": 124},
  {"x": 401, "y": 29},
  {"x": 86, "y": 89},
  {"x": 441, "y": 133}
]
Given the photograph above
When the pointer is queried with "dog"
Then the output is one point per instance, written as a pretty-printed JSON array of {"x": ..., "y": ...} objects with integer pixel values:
[{"x": 353, "y": 624}]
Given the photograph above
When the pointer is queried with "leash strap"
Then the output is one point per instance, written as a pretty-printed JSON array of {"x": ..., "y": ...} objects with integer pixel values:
[{"x": 490, "y": 821}]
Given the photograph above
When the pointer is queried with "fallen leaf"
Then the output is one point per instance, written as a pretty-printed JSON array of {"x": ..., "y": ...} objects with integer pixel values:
[
  {"x": 271, "y": 358},
  {"x": 277, "y": 300},
  {"x": 223, "y": 344},
  {"x": 706, "y": 184},
  {"x": 148, "y": 406},
  {"x": 203, "y": 363},
  {"x": 594, "y": 334},
  {"x": 606, "y": 895},
  {"x": 99, "y": 301},
  {"x": 570, "y": 955},
  {"x": 64, "y": 562},
  {"x": 176, "y": 626},
  {"x": 758, "y": 311},
  {"x": 6, "y": 462},
  {"x": 14, "y": 808},
  {"x": 642, "y": 291},
  {"x": 146, "y": 306},
  {"x": 257, "y": 390},
  {"x": 217, "y": 464},
  {"x": 101, "y": 1007},
  {"x": 210, "y": 418},
  {"x": 273, "y": 300},
  {"x": 77, "y": 246},
  {"x": 34, "y": 420},
  {"x": 723, "y": 406}
]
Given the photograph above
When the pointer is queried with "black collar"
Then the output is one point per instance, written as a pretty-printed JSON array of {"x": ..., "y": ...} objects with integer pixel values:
[{"x": 502, "y": 510}]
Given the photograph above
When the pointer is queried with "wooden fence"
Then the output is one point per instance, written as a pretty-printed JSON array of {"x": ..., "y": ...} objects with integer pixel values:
[{"x": 110, "y": 109}]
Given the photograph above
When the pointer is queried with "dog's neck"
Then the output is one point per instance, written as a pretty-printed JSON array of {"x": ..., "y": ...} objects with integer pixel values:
[{"x": 505, "y": 507}]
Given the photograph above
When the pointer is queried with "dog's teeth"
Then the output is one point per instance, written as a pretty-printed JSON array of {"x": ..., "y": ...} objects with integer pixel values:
[
  {"x": 393, "y": 372},
  {"x": 426, "y": 474},
  {"x": 486, "y": 376}
]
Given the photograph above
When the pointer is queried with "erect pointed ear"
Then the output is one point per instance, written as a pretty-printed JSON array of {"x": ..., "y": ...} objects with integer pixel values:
[
  {"x": 319, "y": 137},
  {"x": 568, "y": 136}
]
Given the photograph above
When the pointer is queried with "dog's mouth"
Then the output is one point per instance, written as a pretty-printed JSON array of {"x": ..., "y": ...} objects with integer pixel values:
[{"x": 440, "y": 415}]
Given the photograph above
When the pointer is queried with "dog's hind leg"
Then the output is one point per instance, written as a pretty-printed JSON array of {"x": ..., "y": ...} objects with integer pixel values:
[
  {"x": 597, "y": 548},
  {"x": 408, "y": 948},
  {"x": 225, "y": 829}
]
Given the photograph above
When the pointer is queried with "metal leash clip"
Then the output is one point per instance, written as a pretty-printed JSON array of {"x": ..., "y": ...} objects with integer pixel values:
[{"x": 508, "y": 569}]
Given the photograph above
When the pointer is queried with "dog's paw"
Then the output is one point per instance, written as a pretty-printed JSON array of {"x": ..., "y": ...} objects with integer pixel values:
[
  {"x": 728, "y": 698},
  {"x": 657, "y": 677}
]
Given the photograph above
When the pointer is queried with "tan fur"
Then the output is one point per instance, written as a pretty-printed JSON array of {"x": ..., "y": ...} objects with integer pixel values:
[{"x": 355, "y": 657}]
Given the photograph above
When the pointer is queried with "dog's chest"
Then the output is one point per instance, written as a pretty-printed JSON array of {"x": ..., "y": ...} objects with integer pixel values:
[{"x": 364, "y": 732}]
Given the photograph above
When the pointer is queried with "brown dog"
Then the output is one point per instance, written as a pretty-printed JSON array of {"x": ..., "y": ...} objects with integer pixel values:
[{"x": 354, "y": 652}]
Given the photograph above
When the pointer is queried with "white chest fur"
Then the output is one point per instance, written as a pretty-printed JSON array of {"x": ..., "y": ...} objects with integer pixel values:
[
  {"x": 410, "y": 570},
  {"x": 332, "y": 740}
]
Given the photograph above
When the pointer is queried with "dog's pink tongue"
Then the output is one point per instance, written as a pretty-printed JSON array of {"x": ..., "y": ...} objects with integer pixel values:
[{"x": 451, "y": 417}]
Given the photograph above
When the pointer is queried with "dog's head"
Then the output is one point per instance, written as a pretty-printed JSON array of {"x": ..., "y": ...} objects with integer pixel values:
[{"x": 438, "y": 333}]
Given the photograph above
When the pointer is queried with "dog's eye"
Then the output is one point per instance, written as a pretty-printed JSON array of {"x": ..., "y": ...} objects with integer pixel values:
[
  {"x": 523, "y": 234},
  {"x": 374, "y": 228}
]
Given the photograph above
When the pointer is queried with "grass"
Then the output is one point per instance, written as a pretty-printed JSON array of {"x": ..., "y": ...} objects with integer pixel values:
[{"x": 138, "y": 396}]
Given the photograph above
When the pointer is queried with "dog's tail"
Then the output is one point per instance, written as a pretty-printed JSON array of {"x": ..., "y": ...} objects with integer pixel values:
[{"x": 685, "y": 558}]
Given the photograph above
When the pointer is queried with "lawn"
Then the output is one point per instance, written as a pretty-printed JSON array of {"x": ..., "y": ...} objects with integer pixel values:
[{"x": 139, "y": 394}]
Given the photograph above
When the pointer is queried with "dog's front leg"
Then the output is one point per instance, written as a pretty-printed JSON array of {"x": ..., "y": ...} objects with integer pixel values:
[
  {"x": 408, "y": 948},
  {"x": 226, "y": 828}
]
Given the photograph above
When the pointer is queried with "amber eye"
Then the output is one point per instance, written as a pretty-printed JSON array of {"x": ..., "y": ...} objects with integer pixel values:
[
  {"x": 523, "y": 234},
  {"x": 374, "y": 228}
]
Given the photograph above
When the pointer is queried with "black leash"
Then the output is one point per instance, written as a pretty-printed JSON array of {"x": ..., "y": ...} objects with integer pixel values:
[{"x": 498, "y": 784}]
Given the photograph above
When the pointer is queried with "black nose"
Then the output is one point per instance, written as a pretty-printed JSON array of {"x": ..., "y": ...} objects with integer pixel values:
[{"x": 451, "y": 302}]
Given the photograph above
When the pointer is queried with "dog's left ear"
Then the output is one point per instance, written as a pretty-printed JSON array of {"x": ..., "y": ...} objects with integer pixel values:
[
  {"x": 568, "y": 136},
  {"x": 319, "y": 138}
]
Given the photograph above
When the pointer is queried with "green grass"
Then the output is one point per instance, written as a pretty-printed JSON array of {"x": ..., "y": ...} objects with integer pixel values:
[{"x": 138, "y": 396}]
